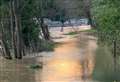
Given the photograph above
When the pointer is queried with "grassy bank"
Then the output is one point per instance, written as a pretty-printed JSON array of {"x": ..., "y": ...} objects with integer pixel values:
[{"x": 47, "y": 45}]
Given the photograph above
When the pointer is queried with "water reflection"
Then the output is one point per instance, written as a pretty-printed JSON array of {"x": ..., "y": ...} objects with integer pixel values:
[
  {"x": 104, "y": 70},
  {"x": 16, "y": 70},
  {"x": 62, "y": 70},
  {"x": 70, "y": 62}
]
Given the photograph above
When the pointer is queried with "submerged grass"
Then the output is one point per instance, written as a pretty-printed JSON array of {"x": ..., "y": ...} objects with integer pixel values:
[
  {"x": 46, "y": 46},
  {"x": 90, "y": 31},
  {"x": 72, "y": 33},
  {"x": 104, "y": 68},
  {"x": 36, "y": 66}
]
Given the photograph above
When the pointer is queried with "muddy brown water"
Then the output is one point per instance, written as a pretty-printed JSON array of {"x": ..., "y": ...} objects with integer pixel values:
[{"x": 71, "y": 61}]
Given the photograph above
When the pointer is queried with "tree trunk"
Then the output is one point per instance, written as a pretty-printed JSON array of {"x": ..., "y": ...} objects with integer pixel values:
[
  {"x": 62, "y": 27},
  {"x": 87, "y": 9},
  {"x": 115, "y": 54},
  {"x": 12, "y": 24},
  {"x": 88, "y": 14},
  {"x": 45, "y": 30},
  {"x": 5, "y": 49},
  {"x": 17, "y": 31}
]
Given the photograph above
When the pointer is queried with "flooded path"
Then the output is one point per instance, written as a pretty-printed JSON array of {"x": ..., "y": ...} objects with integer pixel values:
[{"x": 71, "y": 61}]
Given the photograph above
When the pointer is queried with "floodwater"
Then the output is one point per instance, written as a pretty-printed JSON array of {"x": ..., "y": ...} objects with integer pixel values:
[{"x": 73, "y": 60}]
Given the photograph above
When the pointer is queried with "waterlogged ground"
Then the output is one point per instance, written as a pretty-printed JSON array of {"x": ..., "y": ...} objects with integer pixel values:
[{"x": 73, "y": 60}]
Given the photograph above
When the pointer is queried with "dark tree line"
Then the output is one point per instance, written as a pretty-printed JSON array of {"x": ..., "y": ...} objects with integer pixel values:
[
  {"x": 18, "y": 29},
  {"x": 22, "y": 26}
]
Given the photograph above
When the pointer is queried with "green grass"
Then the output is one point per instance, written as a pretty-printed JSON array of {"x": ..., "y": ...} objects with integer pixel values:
[
  {"x": 36, "y": 66},
  {"x": 90, "y": 31},
  {"x": 46, "y": 46},
  {"x": 77, "y": 32},
  {"x": 72, "y": 33}
]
